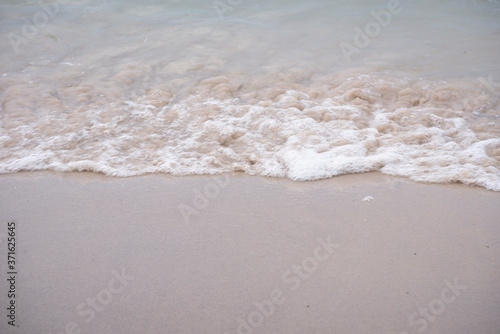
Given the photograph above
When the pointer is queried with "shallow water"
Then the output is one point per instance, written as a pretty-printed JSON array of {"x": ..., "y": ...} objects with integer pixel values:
[{"x": 296, "y": 89}]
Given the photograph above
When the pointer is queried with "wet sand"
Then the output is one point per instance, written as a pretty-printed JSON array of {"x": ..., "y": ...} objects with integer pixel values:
[{"x": 364, "y": 253}]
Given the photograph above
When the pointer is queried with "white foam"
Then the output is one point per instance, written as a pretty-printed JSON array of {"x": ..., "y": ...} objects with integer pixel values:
[{"x": 202, "y": 98}]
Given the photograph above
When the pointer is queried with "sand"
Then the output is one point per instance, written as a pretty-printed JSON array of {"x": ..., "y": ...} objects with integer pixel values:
[{"x": 362, "y": 253}]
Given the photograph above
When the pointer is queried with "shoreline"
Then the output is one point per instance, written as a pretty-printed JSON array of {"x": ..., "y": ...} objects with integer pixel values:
[{"x": 234, "y": 253}]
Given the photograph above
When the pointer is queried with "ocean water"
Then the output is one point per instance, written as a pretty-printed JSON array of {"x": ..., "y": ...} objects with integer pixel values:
[{"x": 297, "y": 89}]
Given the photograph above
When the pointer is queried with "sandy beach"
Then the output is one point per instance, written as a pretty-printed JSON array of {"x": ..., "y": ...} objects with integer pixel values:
[
  {"x": 365, "y": 253},
  {"x": 246, "y": 167}
]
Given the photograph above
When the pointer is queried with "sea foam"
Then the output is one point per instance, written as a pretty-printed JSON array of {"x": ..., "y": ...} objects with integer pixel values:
[{"x": 176, "y": 89}]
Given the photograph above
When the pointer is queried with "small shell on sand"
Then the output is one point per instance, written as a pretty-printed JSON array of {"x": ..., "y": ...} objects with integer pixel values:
[{"x": 368, "y": 199}]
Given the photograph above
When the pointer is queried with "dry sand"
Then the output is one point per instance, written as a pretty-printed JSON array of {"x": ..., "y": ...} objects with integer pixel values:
[{"x": 258, "y": 255}]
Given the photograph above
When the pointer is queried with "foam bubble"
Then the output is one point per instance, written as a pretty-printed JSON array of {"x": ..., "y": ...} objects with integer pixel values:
[
  {"x": 170, "y": 88},
  {"x": 358, "y": 126}
]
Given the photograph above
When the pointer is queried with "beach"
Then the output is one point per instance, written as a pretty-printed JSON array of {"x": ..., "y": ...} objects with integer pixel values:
[
  {"x": 298, "y": 90},
  {"x": 230, "y": 166},
  {"x": 365, "y": 253}
]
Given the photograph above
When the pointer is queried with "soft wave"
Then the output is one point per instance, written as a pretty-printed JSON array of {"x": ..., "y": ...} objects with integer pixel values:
[{"x": 296, "y": 125}]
